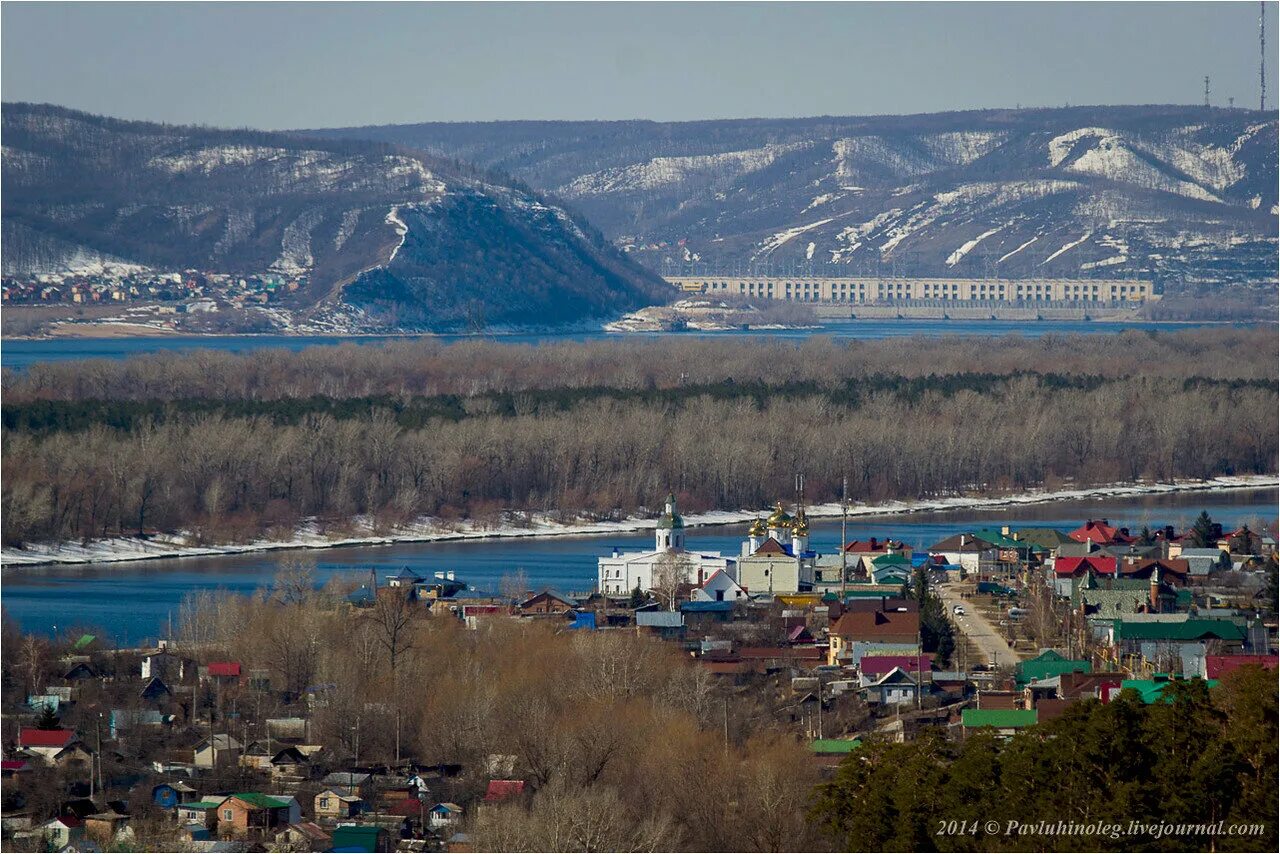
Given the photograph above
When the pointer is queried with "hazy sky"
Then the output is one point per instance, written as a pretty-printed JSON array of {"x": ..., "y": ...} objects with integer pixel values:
[{"x": 327, "y": 64}]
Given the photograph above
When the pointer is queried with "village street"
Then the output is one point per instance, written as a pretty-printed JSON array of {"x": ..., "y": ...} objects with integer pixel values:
[{"x": 976, "y": 627}]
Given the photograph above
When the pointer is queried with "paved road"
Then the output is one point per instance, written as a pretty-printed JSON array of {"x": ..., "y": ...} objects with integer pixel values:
[{"x": 976, "y": 627}]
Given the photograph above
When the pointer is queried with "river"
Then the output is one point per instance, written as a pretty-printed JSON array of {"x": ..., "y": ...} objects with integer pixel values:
[
  {"x": 22, "y": 354},
  {"x": 132, "y": 602}
]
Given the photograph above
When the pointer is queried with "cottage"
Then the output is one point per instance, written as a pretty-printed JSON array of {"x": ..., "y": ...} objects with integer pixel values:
[
  {"x": 202, "y": 812},
  {"x": 900, "y": 628},
  {"x": 62, "y": 831},
  {"x": 304, "y": 836},
  {"x": 289, "y": 763},
  {"x": 107, "y": 828},
  {"x": 720, "y": 587},
  {"x": 46, "y": 743},
  {"x": 1005, "y": 721},
  {"x": 546, "y": 603},
  {"x": 964, "y": 550},
  {"x": 338, "y": 803},
  {"x": 167, "y": 796},
  {"x": 252, "y": 814},
  {"x": 444, "y": 815},
  {"x": 356, "y": 837},
  {"x": 893, "y": 688},
  {"x": 503, "y": 790},
  {"x": 216, "y": 751}
]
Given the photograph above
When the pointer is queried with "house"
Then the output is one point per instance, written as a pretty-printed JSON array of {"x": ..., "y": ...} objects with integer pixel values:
[
  {"x": 890, "y": 569},
  {"x": 222, "y": 672},
  {"x": 165, "y": 665},
  {"x": 1152, "y": 690},
  {"x": 62, "y": 831},
  {"x": 337, "y": 803},
  {"x": 699, "y": 616},
  {"x": 252, "y": 814},
  {"x": 872, "y": 667},
  {"x": 893, "y": 688},
  {"x": 1102, "y": 533},
  {"x": 155, "y": 691},
  {"x": 665, "y": 624},
  {"x": 1218, "y": 666},
  {"x": 356, "y": 782},
  {"x": 167, "y": 796},
  {"x": 546, "y": 603},
  {"x": 106, "y": 828},
  {"x": 406, "y": 578},
  {"x": 1048, "y": 664},
  {"x": 964, "y": 550},
  {"x": 898, "y": 627},
  {"x": 46, "y": 743},
  {"x": 444, "y": 815},
  {"x": 304, "y": 836},
  {"x": 502, "y": 790},
  {"x": 216, "y": 751},
  {"x": 202, "y": 812},
  {"x": 289, "y": 763},
  {"x": 361, "y": 837},
  {"x": 720, "y": 587},
  {"x": 1201, "y": 562},
  {"x": 1005, "y": 721}
]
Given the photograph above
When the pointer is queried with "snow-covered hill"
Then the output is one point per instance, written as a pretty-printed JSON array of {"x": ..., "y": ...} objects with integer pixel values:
[
  {"x": 1181, "y": 194},
  {"x": 393, "y": 238}
]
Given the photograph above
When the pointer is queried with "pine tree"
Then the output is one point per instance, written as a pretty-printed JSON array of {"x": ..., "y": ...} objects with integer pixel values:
[
  {"x": 1203, "y": 531},
  {"x": 48, "y": 718}
]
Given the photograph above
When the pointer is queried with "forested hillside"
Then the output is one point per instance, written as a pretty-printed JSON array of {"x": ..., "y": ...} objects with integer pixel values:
[
  {"x": 1184, "y": 195},
  {"x": 232, "y": 447},
  {"x": 386, "y": 238}
]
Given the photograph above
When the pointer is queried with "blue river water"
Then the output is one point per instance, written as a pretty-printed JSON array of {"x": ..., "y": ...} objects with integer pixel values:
[
  {"x": 131, "y": 602},
  {"x": 21, "y": 354}
]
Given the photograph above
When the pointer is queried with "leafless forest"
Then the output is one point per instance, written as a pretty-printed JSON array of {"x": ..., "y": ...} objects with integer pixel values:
[{"x": 234, "y": 446}]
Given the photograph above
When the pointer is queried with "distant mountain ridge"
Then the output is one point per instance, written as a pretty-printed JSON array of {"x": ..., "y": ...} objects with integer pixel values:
[
  {"x": 388, "y": 237},
  {"x": 1184, "y": 195}
]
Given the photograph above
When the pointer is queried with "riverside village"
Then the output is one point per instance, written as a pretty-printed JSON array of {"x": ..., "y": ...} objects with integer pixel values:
[{"x": 178, "y": 742}]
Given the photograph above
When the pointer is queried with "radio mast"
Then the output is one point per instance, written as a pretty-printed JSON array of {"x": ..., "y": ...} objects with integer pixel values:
[{"x": 1262, "y": 55}]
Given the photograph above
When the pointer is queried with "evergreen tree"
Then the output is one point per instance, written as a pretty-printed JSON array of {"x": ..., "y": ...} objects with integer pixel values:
[
  {"x": 1203, "y": 532},
  {"x": 48, "y": 718}
]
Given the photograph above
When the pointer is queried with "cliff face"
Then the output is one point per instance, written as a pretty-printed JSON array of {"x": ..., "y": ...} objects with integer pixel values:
[{"x": 394, "y": 238}]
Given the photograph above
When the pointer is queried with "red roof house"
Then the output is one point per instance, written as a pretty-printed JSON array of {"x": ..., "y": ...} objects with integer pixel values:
[
  {"x": 501, "y": 790},
  {"x": 1098, "y": 531},
  {"x": 224, "y": 669},
  {"x": 30, "y": 737},
  {"x": 1217, "y": 666},
  {"x": 1072, "y": 567}
]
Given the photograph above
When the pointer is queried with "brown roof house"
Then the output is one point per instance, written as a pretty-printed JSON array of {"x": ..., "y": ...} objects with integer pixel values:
[{"x": 892, "y": 629}]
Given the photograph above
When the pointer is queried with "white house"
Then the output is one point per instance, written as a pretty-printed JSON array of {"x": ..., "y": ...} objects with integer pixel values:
[
  {"x": 62, "y": 831},
  {"x": 622, "y": 572},
  {"x": 719, "y": 588}
]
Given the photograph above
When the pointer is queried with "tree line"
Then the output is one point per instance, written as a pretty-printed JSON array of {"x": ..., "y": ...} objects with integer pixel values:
[{"x": 228, "y": 468}]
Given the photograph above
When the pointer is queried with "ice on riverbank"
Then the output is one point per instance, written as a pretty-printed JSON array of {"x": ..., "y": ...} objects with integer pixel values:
[{"x": 121, "y": 549}]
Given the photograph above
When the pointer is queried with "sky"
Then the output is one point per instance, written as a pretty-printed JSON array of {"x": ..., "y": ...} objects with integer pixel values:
[{"x": 295, "y": 65}]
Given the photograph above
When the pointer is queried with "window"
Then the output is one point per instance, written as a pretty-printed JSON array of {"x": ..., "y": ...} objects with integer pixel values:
[
  {"x": 227, "y": 814},
  {"x": 324, "y": 803}
]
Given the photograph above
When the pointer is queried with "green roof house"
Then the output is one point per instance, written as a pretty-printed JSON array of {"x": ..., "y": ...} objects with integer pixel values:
[
  {"x": 1005, "y": 721},
  {"x": 1152, "y": 690},
  {"x": 361, "y": 837},
  {"x": 1049, "y": 664},
  {"x": 834, "y": 746}
]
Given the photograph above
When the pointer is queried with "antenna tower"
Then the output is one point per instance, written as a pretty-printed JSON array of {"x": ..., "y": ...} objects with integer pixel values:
[
  {"x": 1206, "y": 91},
  {"x": 1262, "y": 55}
]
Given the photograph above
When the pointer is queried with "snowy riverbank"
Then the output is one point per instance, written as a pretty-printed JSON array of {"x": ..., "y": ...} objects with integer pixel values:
[{"x": 122, "y": 549}]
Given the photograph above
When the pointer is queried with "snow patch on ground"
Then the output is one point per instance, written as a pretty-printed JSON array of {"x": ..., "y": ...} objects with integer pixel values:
[
  {"x": 671, "y": 171},
  {"x": 1009, "y": 255},
  {"x": 427, "y": 529},
  {"x": 1072, "y": 245},
  {"x": 809, "y": 250},
  {"x": 393, "y": 219},
  {"x": 967, "y": 246},
  {"x": 768, "y": 245}
]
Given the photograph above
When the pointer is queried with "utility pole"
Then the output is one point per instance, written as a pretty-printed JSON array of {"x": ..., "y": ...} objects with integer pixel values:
[
  {"x": 844, "y": 534},
  {"x": 726, "y": 725},
  {"x": 97, "y": 729}
]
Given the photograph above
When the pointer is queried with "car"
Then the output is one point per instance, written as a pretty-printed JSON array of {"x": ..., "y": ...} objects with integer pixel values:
[{"x": 958, "y": 610}]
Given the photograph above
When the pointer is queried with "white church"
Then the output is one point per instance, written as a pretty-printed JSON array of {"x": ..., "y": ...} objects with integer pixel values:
[{"x": 622, "y": 572}]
